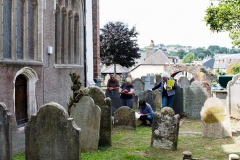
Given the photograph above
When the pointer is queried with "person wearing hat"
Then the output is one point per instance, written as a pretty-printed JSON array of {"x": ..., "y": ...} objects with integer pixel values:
[{"x": 167, "y": 92}]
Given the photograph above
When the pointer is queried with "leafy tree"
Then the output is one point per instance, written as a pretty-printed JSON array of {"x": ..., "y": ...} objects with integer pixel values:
[
  {"x": 225, "y": 17},
  {"x": 235, "y": 68},
  {"x": 188, "y": 58},
  {"x": 118, "y": 45},
  {"x": 181, "y": 53},
  {"x": 201, "y": 56}
]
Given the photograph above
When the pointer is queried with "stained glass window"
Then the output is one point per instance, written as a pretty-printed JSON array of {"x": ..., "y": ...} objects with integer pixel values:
[
  {"x": 30, "y": 30},
  {"x": 20, "y": 29},
  {"x": 7, "y": 15}
]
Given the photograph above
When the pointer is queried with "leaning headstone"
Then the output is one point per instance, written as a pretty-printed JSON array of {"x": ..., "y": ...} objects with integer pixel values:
[
  {"x": 124, "y": 118},
  {"x": 195, "y": 95},
  {"x": 215, "y": 118},
  {"x": 98, "y": 96},
  {"x": 178, "y": 100},
  {"x": 5, "y": 133},
  {"x": 183, "y": 82},
  {"x": 149, "y": 97},
  {"x": 233, "y": 98},
  {"x": 158, "y": 78},
  {"x": 138, "y": 86},
  {"x": 87, "y": 116},
  {"x": 165, "y": 129},
  {"x": 51, "y": 134},
  {"x": 115, "y": 97}
]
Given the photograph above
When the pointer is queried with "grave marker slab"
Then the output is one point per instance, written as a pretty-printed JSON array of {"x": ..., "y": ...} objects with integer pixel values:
[
  {"x": 51, "y": 134},
  {"x": 87, "y": 116},
  {"x": 178, "y": 100},
  {"x": 138, "y": 86},
  {"x": 215, "y": 118},
  {"x": 164, "y": 136},
  {"x": 98, "y": 96},
  {"x": 148, "y": 82},
  {"x": 115, "y": 97},
  {"x": 183, "y": 82},
  {"x": 233, "y": 98},
  {"x": 5, "y": 133},
  {"x": 124, "y": 118},
  {"x": 196, "y": 95}
]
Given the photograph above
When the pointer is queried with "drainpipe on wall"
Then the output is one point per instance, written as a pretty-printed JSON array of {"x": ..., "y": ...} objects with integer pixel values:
[{"x": 84, "y": 48}]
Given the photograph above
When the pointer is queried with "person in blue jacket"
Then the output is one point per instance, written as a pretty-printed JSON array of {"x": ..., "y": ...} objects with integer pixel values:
[
  {"x": 167, "y": 92},
  {"x": 146, "y": 112}
]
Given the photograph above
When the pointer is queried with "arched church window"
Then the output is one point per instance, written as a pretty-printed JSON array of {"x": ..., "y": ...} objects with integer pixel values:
[
  {"x": 20, "y": 23},
  {"x": 76, "y": 37}
]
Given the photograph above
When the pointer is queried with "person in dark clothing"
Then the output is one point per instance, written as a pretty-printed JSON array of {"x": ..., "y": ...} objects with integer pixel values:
[
  {"x": 127, "y": 90},
  {"x": 167, "y": 92}
]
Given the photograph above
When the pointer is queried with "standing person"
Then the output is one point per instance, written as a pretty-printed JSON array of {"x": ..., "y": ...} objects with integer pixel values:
[
  {"x": 127, "y": 90},
  {"x": 167, "y": 92},
  {"x": 113, "y": 83},
  {"x": 146, "y": 112}
]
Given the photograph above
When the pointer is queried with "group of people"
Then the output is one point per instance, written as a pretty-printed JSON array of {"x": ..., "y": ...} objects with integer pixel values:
[{"x": 126, "y": 91}]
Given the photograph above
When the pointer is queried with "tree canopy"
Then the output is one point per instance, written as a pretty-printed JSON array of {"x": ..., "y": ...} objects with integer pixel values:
[
  {"x": 118, "y": 44},
  {"x": 225, "y": 17},
  {"x": 188, "y": 58}
]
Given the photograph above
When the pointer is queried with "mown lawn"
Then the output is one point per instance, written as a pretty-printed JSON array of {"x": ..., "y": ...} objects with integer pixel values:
[{"x": 135, "y": 145}]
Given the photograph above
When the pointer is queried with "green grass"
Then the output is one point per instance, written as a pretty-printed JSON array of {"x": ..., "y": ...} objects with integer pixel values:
[{"x": 135, "y": 145}]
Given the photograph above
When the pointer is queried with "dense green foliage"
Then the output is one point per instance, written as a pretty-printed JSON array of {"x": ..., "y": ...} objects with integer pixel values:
[
  {"x": 225, "y": 17},
  {"x": 188, "y": 58},
  {"x": 118, "y": 44}
]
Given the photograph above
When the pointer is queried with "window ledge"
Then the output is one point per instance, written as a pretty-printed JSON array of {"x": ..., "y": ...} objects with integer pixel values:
[
  {"x": 21, "y": 62},
  {"x": 67, "y": 66}
]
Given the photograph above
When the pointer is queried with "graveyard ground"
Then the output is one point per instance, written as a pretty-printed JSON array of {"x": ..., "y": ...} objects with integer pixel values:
[{"x": 135, "y": 145}]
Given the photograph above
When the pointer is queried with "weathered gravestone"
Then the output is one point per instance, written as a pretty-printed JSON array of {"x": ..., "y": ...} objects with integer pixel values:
[
  {"x": 165, "y": 129},
  {"x": 148, "y": 82},
  {"x": 158, "y": 78},
  {"x": 51, "y": 134},
  {"x": 215, "y": 118},
  {"x": 87, "y": 116},
  {"x": 115, "y": 98},
  {"x": 98, "y": 96},
  {"x": 183, "y": 82},
  {"x": 135, "y": 102},
  {"x": 178, "y": 100},
  {"x": 138, "y": 86},
  {"x": 233, "y": 98},
  {"x": 196, "y": 95},
  {"x": 5, "y": 133},
  {"x": 158, "y": 99},
  {"x": 149, "y": 97},
  {"x": 124, "y": 118}
]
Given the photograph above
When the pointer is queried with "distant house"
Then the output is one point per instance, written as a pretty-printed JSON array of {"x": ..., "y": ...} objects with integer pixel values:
[
  {"x": 153, "y": 65},
  {"x": 222, "y": 62}
]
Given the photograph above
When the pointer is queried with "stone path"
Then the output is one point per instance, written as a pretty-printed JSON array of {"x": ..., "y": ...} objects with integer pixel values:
[{"x": 18, "y": 142}]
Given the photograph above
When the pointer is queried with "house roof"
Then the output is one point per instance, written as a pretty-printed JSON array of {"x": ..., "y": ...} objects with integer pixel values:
[
  {"x": 159, "y": 57},
  {"x": 209, "y": 63},
  {"x": 119, "y": 69}
]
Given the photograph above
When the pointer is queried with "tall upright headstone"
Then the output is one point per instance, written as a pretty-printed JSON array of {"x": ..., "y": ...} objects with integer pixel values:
[
  {"x": 87, "y": 116},
  {"x": 196, "y": 95},
  {"x": 98, "y": 96},
  {"x": 233, "y": 98},
  {"x": 149, "y": 97},
  {"x": 5, "y": 133},
  {"x": 178, "y": 100},
  {"x": 148, "y": 82},
  {"x": 183, "y": 82},
  {"x": 51, "y": 134},
  {"x": 216, "y": 119},
  {"x": 138, "y": 86},
  {"x": 124, "y": 118},
  {"x": 115, "y": 97},
  {"x": 164, "y": 136}
]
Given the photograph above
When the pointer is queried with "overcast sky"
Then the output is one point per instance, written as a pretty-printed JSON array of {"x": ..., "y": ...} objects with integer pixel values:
[{"x": 164, "y": 21}]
